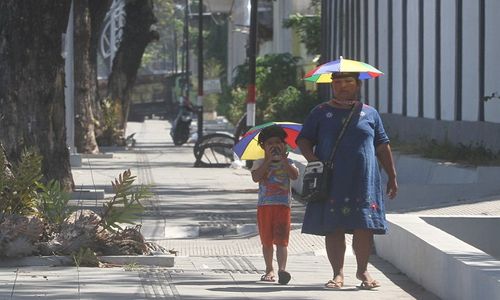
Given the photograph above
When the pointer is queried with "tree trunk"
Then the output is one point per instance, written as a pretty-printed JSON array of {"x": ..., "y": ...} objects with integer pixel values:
[
  {"x": 32, "y": 82},
  {"x": 97, "y": 10},
  {"x": 137, "y": 34},
  {"x": 85, "y": 85}
]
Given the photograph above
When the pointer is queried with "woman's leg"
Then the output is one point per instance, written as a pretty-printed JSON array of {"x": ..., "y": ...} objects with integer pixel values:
[
  {"x": 362, "y": 244},
  {"x": 335, "y": 249}
]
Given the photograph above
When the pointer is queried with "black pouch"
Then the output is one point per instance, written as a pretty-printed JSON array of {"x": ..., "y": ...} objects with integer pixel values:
[
  {"x": 318, "y": 174},
  {"x": 316, "y": 181}
]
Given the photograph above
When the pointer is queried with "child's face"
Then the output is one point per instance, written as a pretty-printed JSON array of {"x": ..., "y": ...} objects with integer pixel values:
[
  {"x": 273, "y": 141},
  {"x": 274, "y": 148}
]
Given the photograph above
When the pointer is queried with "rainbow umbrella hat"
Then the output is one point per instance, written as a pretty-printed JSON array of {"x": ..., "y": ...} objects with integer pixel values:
[
  {"x": 323, "y": 73},
  {"x": 248, "y": 148}
]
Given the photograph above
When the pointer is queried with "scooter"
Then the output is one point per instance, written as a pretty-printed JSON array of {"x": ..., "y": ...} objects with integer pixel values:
[{"x": 181, "y": 126}]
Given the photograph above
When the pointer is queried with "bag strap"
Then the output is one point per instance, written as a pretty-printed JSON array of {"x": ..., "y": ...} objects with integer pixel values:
[{"x": 341, "y": 134}]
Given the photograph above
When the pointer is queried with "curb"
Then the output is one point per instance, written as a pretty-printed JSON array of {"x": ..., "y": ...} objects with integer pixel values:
[{"x": 58, "y": 261}]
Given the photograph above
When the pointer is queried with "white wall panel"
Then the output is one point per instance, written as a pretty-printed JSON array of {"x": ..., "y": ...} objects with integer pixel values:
[
  {"x": 492, "y": 59},
  {"x": 371, "y": 46},
  {"x": 470, "y": 61},
  {"x": 364, "y": 46},
  {"x": 363, "y": 20},
  {"x": 397, "y": 57},
  {"x": 383, "y": 54},
  {"x": 412, "y": 59},
  {"x": 448, "y": 8},
  {"x": 429, "y": 49}
]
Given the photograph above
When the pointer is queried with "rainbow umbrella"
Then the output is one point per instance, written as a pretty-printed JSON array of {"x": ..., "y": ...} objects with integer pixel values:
[
  {"x": 248, "y": 148},
  {"x": 323, "y": 73}
]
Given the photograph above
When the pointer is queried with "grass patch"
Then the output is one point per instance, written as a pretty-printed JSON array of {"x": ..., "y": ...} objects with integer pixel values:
[
  {"x": 133, "y": 266},
  {"x": 472, "y": 154}
]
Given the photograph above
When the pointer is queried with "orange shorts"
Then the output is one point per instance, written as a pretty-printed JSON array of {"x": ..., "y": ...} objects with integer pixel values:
[{"x": 274, "y": 224}]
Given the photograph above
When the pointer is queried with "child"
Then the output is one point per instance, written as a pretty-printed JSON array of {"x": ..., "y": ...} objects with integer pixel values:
[{"x": 273, "y": 173}]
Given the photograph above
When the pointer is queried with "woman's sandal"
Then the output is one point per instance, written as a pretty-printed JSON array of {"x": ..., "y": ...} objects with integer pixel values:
[
  {"x": 368, "y": 285},
  {"x": 268, "y": 278},
  {"x": 331, "y": 284}
]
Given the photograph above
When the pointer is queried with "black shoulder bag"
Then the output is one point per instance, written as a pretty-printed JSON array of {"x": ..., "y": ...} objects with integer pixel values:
[{"x": 317, "y": 175}]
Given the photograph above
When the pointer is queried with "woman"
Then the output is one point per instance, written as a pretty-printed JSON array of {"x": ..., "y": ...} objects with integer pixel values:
[{"x": 356, "y": 203}]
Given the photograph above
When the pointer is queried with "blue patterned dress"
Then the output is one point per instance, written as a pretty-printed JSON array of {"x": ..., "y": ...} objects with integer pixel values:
[{"x": 356, "y": 194}]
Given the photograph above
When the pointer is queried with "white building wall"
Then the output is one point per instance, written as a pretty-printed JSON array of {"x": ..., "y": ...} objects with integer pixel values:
[
  {"x": 282, "y": 37},
  {"x": 423, "y": 57},
  {"x": 237, "y": 36},
  {"x": 431, "y": 56},
  {"x": 236, "y": 53}
]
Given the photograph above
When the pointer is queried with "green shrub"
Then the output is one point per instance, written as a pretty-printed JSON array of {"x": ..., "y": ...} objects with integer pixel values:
[
  {"x": 18, "y": 191},
  {"x": 308, "y": 29},
  {"x": 292, "y": 105},
  {"x": 225, "y": 100},
  {"x": 237, "y": 107},
  {"x": 475, "y": 154},
  {"x": 53, "y": 202},
  {"x": 472, "y": 154},
  {"x": 210, "y": 102},
  {"x": 85, "y": 257},
  {"x": 110, "y": 134},
  {"x": 125, "y": 206},
  {"x": 274, "y": 73}
]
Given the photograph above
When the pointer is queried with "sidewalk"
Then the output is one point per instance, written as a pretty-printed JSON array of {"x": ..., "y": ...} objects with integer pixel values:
[{"x": 208, "y": 216}]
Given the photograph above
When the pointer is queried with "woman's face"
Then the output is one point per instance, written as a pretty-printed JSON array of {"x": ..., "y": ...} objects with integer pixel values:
[{"x": 346, "y": 88}]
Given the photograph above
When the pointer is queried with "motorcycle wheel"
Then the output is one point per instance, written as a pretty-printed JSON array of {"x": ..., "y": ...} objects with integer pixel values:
[{"x": 179, "y": 141}]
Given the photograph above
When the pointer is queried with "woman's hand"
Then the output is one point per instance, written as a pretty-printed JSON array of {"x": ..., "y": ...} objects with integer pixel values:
[
  {"x": 306, "y": 147},
  {"x": 392, "y": 188}
]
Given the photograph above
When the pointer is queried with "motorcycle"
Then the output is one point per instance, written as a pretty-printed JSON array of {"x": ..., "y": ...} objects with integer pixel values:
[{"x": 181, "y": 126}]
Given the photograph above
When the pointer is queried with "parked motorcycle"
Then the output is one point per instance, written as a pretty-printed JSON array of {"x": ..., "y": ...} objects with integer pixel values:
[{"x": 181, "y": 126}]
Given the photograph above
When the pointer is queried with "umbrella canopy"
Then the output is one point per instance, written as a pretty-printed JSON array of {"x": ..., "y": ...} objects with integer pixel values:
[
  {"x": 248, "y": 148},
  {"x": 323, "y": 73}
]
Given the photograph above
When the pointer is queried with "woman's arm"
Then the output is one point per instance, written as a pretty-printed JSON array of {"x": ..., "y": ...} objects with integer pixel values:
[
  {"x": 384, "y": 155},
  {"x": 306, "y": 148}
]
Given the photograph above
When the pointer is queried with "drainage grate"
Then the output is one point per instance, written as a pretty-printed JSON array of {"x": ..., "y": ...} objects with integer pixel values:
[
  {"x": 157, "y": 284},
  {"x": 216, "y": 224},
  {"x": 237, "y": 264}
]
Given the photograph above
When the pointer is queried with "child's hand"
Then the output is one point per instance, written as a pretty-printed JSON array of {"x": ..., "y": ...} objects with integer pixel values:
[
  {"x": 284, "y": 154},
  {"x": 268, "y": 152}
]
